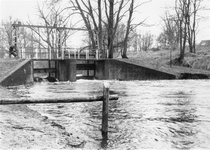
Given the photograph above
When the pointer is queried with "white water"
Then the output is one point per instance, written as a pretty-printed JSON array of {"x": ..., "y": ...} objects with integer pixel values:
[{"x": 167, "y": 114}]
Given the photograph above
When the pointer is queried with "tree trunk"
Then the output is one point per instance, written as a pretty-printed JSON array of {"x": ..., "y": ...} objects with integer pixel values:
[
  {"x": 100, "y": 31},
  {"x": 110, "y": 28},
  {"x": 125, "y": 43}
]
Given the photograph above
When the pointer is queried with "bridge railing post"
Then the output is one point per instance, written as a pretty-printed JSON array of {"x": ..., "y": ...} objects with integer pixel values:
[
  {"x": 87, "y": 55},
  {"x": 78, "y": 54},
  {"x": 75, "y": 54},
  {"x": 107, "y": 54},
  {"x": 97, "y": 54}
]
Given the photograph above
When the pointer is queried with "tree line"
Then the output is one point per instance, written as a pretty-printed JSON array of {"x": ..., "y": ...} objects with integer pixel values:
[
  {"x": 180, "y": 29},
  {"x": 104, "y": 21},
  {"x": 110, "y": 26}
]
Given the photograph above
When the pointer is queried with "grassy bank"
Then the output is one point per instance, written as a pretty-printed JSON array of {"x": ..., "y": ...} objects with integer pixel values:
[{"x": 160, "y": 60}]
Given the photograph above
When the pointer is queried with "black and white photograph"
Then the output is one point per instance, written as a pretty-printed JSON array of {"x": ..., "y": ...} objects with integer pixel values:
[{"x": 104, "y": 74}]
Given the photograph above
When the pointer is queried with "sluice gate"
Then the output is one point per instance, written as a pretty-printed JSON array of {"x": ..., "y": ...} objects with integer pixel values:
[{"x": 65, "y": 70}]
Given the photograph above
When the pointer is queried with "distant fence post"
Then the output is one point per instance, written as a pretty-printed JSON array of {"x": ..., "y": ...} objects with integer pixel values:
[{"x": 105, "y": 110}]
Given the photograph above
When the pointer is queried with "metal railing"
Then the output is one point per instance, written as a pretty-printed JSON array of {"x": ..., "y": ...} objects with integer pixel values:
[{"x": 66, "y": 53}]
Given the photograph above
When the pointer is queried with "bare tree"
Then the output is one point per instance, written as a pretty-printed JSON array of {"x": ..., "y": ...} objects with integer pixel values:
[
  {"x": 88, "y": 14},
  {"x": 110, "y": 28},
  {"x": 147, "y": 41},
  {"x": 7, "y": 31},
  {"x": 52, "y": 38},
  {"x": 131, "y": 9},
  {"x": 100, "y": 29},
  {"x": 7, "y": 36},
  {"x": 187, "y": 21},
  {"x": 192, "y": 22},
  {"x": 109, "y": 13},
  {"x": 182, "y": 12},
  {"x": 169, "y": 35}
]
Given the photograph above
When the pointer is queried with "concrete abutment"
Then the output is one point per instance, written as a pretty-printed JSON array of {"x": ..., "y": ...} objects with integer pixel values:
[{"x": 113, "y": 69}]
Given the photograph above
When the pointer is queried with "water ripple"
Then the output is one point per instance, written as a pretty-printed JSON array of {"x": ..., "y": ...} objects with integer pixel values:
[{"x": 148, "y": 115}]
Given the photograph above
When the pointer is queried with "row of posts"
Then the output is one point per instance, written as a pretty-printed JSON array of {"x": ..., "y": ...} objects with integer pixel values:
[{"x": 38, "y": 54}]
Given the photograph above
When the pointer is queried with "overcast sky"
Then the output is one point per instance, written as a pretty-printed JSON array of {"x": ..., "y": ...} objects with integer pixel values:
[{"x": 24, "y": 9}]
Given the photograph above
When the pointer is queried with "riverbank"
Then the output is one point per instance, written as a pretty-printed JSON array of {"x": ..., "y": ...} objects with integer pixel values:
[{"x": 22, "y": 128}]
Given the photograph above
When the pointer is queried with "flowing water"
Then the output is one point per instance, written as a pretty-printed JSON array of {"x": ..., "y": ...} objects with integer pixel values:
[{"x": 167, "y": 114}]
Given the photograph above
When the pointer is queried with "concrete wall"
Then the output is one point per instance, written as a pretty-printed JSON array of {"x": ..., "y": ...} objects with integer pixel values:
[
  {"x": 116, "y": 69},
  {"x": 21, "y": 74},
  {"x": 105, "y": 70},
  {"x": 66, "y": 70}
]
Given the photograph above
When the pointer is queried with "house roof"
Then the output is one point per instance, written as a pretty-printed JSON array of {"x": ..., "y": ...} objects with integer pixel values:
[{"x": 205, "y": 43}]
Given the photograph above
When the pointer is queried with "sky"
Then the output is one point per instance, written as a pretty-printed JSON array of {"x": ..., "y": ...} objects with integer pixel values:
[{"x": 25, "y": 9}]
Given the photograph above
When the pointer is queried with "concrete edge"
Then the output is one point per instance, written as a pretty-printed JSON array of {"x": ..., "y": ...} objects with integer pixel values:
[
  {"x": 179, "y": 75},
  {"x": 163, "y": 71},
  {"x": 17, "y": 74}
]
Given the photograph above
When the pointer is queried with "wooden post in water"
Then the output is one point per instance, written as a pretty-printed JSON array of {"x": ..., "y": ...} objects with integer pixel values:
[{"x": 105, "y": 110}]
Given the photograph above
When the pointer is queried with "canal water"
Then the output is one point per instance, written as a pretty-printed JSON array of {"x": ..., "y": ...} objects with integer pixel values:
[{"x": 165, "y": 114}]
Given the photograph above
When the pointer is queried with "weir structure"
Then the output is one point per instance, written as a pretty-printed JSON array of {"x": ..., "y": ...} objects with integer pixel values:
[
  {"x": 57, "y": 60},
  {"x": 68, "y": 64}
]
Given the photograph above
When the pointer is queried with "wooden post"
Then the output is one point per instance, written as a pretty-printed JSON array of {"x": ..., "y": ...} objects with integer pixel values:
[{"x": 105, "y": 110}]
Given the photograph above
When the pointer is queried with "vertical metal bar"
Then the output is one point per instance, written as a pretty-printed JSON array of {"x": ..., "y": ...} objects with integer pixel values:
[
  {"x": 40, "y": 55},
  {"x": 32, "y": 45},
  {"x": 107, "y": 56},
  {"x": 78, "y": 54},
  {"x": 49, "y": 65},
  {"x": 86, "y": 54},
  {"x": 88, "y": 71},
  {"x": 16, "y": 41},
  {"x": 97, "y": 54},
  {"x": 75, "y": 55}
]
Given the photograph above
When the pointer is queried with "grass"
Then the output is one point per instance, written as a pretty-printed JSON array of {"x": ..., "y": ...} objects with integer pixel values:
[{"x": 160, "y": 60}]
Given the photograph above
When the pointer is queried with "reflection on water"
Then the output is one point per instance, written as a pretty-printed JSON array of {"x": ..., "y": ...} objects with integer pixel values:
[{"x": 148, "y": 114}]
